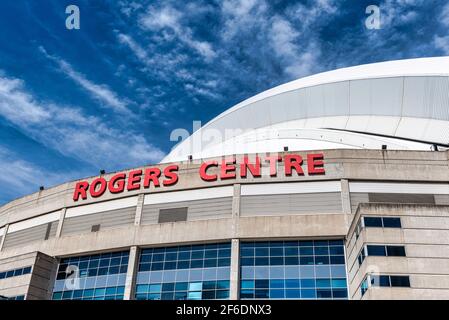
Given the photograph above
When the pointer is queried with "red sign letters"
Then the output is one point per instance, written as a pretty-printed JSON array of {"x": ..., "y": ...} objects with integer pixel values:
[{"x": 209, "y": 171}]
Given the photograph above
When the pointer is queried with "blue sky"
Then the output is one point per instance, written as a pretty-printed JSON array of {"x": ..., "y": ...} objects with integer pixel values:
[{"x": 107, "y": 96}]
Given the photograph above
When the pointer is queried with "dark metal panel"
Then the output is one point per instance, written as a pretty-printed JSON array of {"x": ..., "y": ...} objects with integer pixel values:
[
  {"x": 173, "y": 215},
  {"x": 401, "y": 198}
]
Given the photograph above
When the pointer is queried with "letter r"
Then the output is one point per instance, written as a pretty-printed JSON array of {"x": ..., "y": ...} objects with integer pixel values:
[{"x": 81, "y": 190}]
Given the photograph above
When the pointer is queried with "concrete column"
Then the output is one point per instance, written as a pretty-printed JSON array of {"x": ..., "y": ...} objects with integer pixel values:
[
  {"x": 139, "y": 208},
  {"x": 447, "y": 157},
  {"x": 131, "y": 273},
  {"x": 346, "y": 200},
  {"x": 236, "y": 209},
  {"x": 61, "y": 223},
  {"x": 235, "y": 270},
  {"x": 42, "y": 278},
  {"x": 2, "y": 242},
  {"x": 236, "y": 200}
]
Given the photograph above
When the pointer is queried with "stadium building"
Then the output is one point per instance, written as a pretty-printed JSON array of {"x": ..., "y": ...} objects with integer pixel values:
[{"x": 334, "y": 186}]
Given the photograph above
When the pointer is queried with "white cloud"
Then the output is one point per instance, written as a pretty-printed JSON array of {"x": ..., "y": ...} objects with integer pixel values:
[
  {"x": 305, "y": 16},
  {"x": 288, "y": 33},
  {"x": 168, "y": 18},
  {"x": 19, "y": 107},
  {"x": 442, "y": 43},
  {"x": 135, "y": 48},
  {"x": 242, "y": 14},
  {"x": 283, "y": 35},
  {"x": 444, "y": 17},
  {"x": 99, "y": 92},
  {"x": 201, "y": 91},
  {"x": 161, "y": 64},
  {"x": 71, "y": 132},
  {"x": 127, "y": 8},
  {"x": 23, "y": 177},
  {"x": 168, "y": 67},
  {"x": 398, "y": 12}
]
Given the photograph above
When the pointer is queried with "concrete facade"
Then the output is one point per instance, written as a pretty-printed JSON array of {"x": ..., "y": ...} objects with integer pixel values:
[
  {"x": 424, "y": 234},
  {"x": 43, "y": 227}
]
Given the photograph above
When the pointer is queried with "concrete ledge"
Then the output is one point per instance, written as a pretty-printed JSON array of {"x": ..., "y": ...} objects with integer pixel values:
[{"x": 293, "y": 226}]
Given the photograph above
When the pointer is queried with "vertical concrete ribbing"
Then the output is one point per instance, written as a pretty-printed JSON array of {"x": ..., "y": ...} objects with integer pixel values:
[
  {"x": 139, "y": 208},
  {"x": 5, "y": 232},
  {"x": 346, "y": 201},
  {"x": 236, "y": 208},
  {"x": 235, "y": 270},
  {"x": 61, "y": 223},
  {"x": 131, "y": 273},
  {"x": 235, "y": 245}
]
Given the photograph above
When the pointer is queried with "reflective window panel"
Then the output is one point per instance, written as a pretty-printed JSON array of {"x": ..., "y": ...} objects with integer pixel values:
[
  {"x": 15, "y": 273},
  {"x": 293, "y": 270},
  {"x": 196, "y": 272},
  {"x": 22, "y": 297},
  {"x": 95, "y": 277}
]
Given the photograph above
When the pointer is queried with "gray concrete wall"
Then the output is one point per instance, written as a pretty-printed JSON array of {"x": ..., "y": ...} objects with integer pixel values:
[
  {"x": 340, "y": 164},
  {"x": 425, "y": 235},
  {"x": 37, "y": 285},
  {"x": 425, "y": 232}
]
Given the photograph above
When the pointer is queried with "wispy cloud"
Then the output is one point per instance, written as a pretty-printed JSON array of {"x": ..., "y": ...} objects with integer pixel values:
[
  {"x": 169, "y": 18},
  {"x": 100, "y": 92},
  {"x": 72, "y": 133},
  {"x": 136, "y": 48},
  {"x": 297, "y": 60},
  {"x": 23, "y": 177},
  {"x": 287, "y": 33},
  {"x": 169, "y": 67},
  {"x": 442, "y": 41}
]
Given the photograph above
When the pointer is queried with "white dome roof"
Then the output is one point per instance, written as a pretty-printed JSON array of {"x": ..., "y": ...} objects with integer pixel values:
[{"x": 403, "y": 104}]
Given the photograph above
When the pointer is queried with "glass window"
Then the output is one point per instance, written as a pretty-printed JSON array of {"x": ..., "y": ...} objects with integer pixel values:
[
  {"x": 382, "y": 250},
  {"x": 361, "y": 257},
  {"x": 293, "y": 270},
  {"x": 320, "y": 251},
  {"x": 307, "y": 260},
  {"x": 374, "y": 250},
  {"x": 380, "y": 281},
  {"x": 18, "y": 272},
  {"x": 337, "y": 260},
  {"x": 390, "y": 281},
  {"x": 99, "y": 277},
  {"x": 392, "y": 222},
  {"x": 277, "y": 294},
  {"x": 364, "y": 286},
  {"x": 382, "y": 222},
  {"x": 262, "y": 294},
  {"x": 21, "y": 297},
  {"x": 324, "y": 294},
  {"x": 307, "y": 283},
  {"x": 372, "y": 222},
  {"x": 339, "y": 283},
  {"x": 323, "y": 283},
  {"x": 292, "y": 294},
  {"x": 336, "y": 250},
  {"x": 400, "y": 281},
  {"x": 396, "y": 251},
  {"x": 15, "y": 273},
  {"x": 27, "y": 270},
  {"x": 308, "y": 294},
  {"x": 197, "y": 272}
]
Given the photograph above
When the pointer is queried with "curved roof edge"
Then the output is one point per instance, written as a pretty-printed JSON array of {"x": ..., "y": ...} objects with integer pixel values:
[
  {"x": 408, "y": 68},
  {"x": 432, "y": 66}
]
